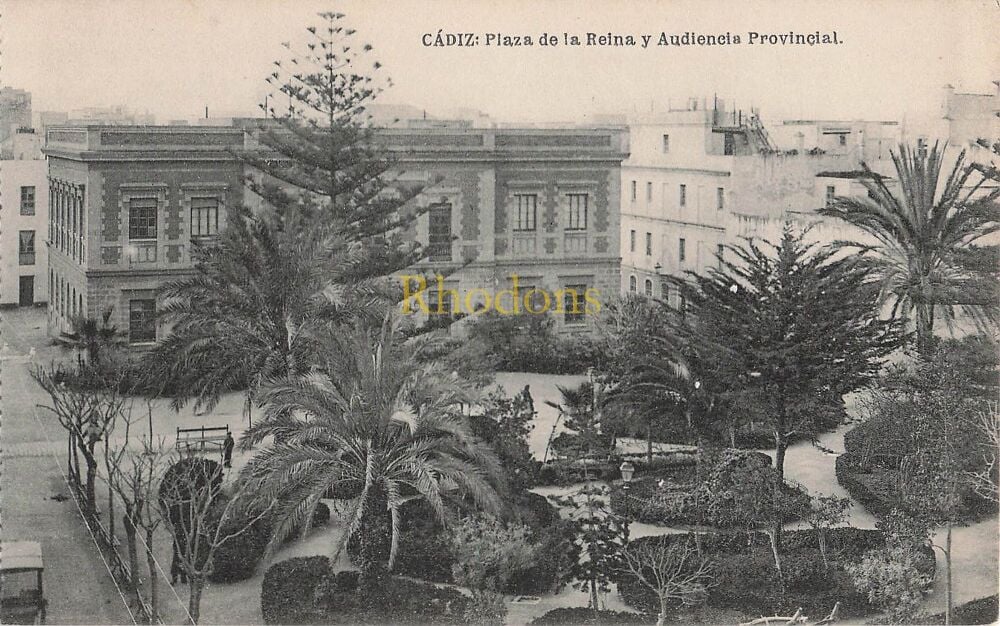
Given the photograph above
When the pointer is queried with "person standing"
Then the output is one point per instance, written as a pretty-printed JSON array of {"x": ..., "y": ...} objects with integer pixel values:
[{"x": 227, "y": 450}]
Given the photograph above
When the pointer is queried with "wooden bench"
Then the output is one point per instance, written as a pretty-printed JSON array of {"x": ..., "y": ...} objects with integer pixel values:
[{"x": 191, "y": 440}]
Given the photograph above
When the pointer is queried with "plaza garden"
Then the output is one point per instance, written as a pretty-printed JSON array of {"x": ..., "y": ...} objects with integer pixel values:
[{"x": 676, "y": 463}]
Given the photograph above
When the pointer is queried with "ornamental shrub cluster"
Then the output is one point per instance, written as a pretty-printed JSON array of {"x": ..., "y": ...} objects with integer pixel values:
[{"x": 746, "y": 579}]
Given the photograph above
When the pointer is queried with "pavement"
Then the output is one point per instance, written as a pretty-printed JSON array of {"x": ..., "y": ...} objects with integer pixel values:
[{"x": 36, "y": 502}]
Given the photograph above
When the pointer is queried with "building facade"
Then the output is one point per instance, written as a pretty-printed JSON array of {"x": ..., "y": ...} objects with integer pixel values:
[
  {"x": 538, "y": 205},
  {"x": 699, "y": 179},
  {"x": 535, "y": 206},
  {"x": 126, "y": 203},
  {"x": 24, "y": 206}
]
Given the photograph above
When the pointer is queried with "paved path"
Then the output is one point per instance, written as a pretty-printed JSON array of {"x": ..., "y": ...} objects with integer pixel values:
[{"x": 34, "y": 494}]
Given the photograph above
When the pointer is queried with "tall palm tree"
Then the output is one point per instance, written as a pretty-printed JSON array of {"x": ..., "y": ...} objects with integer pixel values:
[
  {"x": 932, "y": 253},
  {"x": 247, "y": 314},
  {"x": 374, "y": 419}
]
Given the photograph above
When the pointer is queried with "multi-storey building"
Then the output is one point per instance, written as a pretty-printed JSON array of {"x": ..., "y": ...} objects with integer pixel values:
[
  {"x": 538, "y": 204},
  {"x": 24, "y": 206},
  {"x": 15, "y": 111},
  {"x": 699, "y": 178},
  {"x": 125, "y": 205}
]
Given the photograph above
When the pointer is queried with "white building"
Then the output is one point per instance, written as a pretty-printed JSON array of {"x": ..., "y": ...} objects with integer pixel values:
[
  {"x": 24, "y": 216},
  {"x": 699, "y": 178}
]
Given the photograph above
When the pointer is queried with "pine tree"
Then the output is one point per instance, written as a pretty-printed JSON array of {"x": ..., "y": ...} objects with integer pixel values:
[{"x": 789, "y": 327}]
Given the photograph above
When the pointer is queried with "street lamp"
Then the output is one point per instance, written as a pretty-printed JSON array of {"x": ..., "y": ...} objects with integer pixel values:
[{"x": 628, "y": 471}]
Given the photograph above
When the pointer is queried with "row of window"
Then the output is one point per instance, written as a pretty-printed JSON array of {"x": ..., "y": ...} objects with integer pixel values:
[
  {"x": 526, "y": 219},
  {"x": 439, "y": 233},
  {"x": 681, "y": 246},
  {"x": 633, "y": 286},
  {"x": 143, "y": 213},
  {"x": 720, "y": 194},
  {"x": 728, "y": 144},
  {"x": 64, "y": 300},
  {"x": 66, "y": 228}
]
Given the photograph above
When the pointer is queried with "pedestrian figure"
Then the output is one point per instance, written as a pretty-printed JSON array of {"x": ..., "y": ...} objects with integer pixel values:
[
  {"x": 176, "y": 567},
  {"x": 227, "y": 450}
]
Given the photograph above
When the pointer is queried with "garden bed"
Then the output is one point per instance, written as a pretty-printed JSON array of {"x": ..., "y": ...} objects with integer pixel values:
[
  {"x": 980, "y": 611},
  {"x": 307, "y": 591},
  {"x": 746, "y": 579}
]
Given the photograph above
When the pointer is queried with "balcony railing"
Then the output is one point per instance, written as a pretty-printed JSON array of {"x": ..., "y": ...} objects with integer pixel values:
[
  {"x": 524, "y": 244},
  {"x": 575, "y": 243},
  {"x": 142, "y": 252}
]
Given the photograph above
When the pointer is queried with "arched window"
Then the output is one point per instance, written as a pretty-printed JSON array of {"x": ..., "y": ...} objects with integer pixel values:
[
  {"x": 632, "y": 282},
  {"x": 649, "y": 287}
]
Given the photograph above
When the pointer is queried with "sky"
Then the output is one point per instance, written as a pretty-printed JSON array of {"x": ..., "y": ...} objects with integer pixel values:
[{"x": 175, "y": 57}]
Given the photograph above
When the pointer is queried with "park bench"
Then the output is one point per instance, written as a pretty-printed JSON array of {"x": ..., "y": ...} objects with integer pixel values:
[{"x": 204, "y": 438}]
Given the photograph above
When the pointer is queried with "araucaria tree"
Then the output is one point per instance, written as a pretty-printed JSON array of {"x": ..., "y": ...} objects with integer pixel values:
[
  {"x": 376, "y": 424},
  {"x": 789, "y": 327},
  {"x": 326, "y": 230},
  {"x": 932, "y": 252}
]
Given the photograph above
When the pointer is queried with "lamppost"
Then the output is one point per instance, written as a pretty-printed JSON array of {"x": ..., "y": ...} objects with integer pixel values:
[{"x": 628, "y": 471}]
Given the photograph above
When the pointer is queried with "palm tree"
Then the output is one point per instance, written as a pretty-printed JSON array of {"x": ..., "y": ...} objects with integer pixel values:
[
  {"x": 93, "y": 336},
  {"x": 931, "y": 254},
  {"x": 376, "y": 420},
  {"x": 247, "y": 314}
]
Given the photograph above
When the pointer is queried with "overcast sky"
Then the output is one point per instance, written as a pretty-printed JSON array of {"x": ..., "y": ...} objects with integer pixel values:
[{"x": 174, "y": 57}]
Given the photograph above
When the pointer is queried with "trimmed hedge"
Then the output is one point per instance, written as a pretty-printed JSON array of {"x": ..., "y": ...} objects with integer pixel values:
[
  {"x": 288, "y": 592},
  {"x": 980, "y": 611},
  {"x": 305, "y": 591},
  {"x": 675, "y": 503},
  {"x": 746, "y": 580},
  {"x": 584, "y": 616}
]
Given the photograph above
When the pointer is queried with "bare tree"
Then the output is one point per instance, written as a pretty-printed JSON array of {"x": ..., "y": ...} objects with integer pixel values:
[
  {"x": 202, "y": 518},
  {"x": 672, "y": 570},
  {"x": 88, "y": 414},
  {"x": 984, "y": 481},
  {"x": 824, "y": 513},
  {"x": 135, "y": 477}
]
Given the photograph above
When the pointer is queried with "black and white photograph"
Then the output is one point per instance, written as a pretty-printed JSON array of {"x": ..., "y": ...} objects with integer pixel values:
[{"x": 551, "y": 312}]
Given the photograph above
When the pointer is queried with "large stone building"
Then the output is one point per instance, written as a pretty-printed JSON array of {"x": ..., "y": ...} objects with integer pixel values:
[
  {"x": 126, "y": 203},
  {"x": 538, "y": 204}
]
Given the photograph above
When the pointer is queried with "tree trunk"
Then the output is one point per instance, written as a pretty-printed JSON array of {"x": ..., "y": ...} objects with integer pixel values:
[
  {"x": 661, "y": 619},
  {"x": 777, "y": 557},
  {"x": 949, "y": 599},
  {"x": 195, "y": 586},
  {"x": 649, "y": 442},
  {"x": 91, "y": 493},
  {"x": 69, "y": 457},
  {"x": 133, "y": 553},
  {"x": 154, "y": 599},
  {"x": 593, "y": 595},
  {"x": 821, "y": 536}
]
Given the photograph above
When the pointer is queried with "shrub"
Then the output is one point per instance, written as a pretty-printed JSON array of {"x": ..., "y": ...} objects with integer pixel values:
[
  {"x": 528, "y": 343},
  {"x": 670, "y": 495},
  {"x": 395, "y": 601},
  {"x": 746, "y": 578},
  {"x": 584, "y": 616},
  {"x": 289, "y": 590},
  {"x": 237, "y": 558}
]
